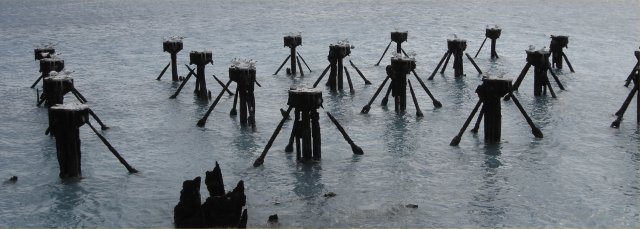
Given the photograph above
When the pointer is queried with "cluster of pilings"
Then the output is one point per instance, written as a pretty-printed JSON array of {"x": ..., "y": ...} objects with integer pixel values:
[
  {"x": 220, "y": 209},
  {"x": 65, "y": 119}
]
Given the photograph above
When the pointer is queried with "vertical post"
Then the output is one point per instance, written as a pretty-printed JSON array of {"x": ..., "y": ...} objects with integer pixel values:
[
  {"x": 340, "y": 74},
  {"x": 493, "y": 34},
  {"x": 555, "y": 47},
  {"x": 174, "y": 67},
  {"x": 307, "y": 152},
  {"x": 201, "y": 59},
  {"x": 457, "y": 46},
  {"x": 293, "y": 60},
  {"x": 494, "y": 54},
  {"x": 243, "y": 102},
  {"x": 457, "y": 64},
  {"x": 64, "y": 123},
  {"x": 490, "y": 92},
  {"x": 315, "y": 131},
  {"x": 172, "y": 45}
]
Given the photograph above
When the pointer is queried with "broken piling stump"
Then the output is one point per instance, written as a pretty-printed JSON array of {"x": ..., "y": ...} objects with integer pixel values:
[{"x": 219, "y": 210}]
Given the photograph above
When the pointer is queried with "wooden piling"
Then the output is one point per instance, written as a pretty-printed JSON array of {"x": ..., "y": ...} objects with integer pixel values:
[
  {"x": 201, "y": 59},
  {"x": 173, "y": 46},
  {"x": 558, "y": 43},
  {"x": 64, "y": 123},
  {"x": 54, "y": 88}
]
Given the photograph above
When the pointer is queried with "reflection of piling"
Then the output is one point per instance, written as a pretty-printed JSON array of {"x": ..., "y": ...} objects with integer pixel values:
[
  {"x": 201, "y": 59},
  {"x": 293, "y": 41},
  {"x": 539, "y": 59},
  {"x": 306, "y": 126},
  {"x": 65, "y": 121},
  {"x": 398, "y": 37},
  {"x": 558, "y": 43},
  {"x": 47, "y": 65},
  {"x": 455, "y": 48},
  {"x": 172, "y": 46},
  {"x": 489, "y": 93}
]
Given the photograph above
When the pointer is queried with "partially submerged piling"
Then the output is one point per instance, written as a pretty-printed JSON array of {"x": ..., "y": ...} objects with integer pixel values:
[
  {"x": 200, "y": 59},
  {"x": 455, "y": 48},
  {"x": 489, "y": 94},
  {"x": 398, "y": 37},
  {"x": 558, "y": 43},
  {"x": 64, "y": 123},
  {"x": 47, "y": 65},
  {"x": 620, "y": 113},
  {"x": 336, "y": 56},
  {"x": 306, "y": 127},
  {"x": 292, "y": 41},
  {"x": 172, "y": 45},
  {"x": 492, "y": 33},
  {"x": 400, "y": 66},
  {"x": 243, "y": 73},
  {"x": 539, "y": 59}
]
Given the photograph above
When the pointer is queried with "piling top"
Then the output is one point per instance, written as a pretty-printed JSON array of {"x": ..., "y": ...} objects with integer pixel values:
[
  {"x": 200, "y": 57},
  {"x": 243, "y": 64},
  {"x": 70, "y": 107},
  {"x": 402, "y": 62},
  {"x": 43, "y": 52},
  {"x": 456, "y": 44},
  {"x": 538, "y": 57},
  {"x": 292, "y": 40},
  {"x": 59, "y": 76},
  {"x": 494, "y": 86},
  {"x": 52, "y": 63},
  {"x": 493, "y": 32},
  {"x": 305, "y": 98},
  {"x": 340, "y": 50},
  {"x": 561, "y": 41},
  {"x": 399, "y": 36},
  {"x": 172, "y": 44}
]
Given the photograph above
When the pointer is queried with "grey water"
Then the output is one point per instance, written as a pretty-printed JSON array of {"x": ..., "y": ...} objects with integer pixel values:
[{"x": 581, "y": 174}]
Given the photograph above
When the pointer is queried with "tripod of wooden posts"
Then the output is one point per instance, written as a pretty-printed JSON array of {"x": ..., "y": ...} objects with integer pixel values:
[
  {"x": 293, "y": 41},
  {"x": 455, "y": 48},
  {"x": 243, "y": 72},
  {"x": 336, "y": 56},
  {"x": 489, "y": 93},
  {"x": 492, "y": 33},
  {"x": 398, "y": 37},
  {"x": 397, "y": 72},
  {"x": 64, "y": 123},
  {"x": 306, "y": 126},
  {"x": 539, "y": 59},
  {"x": 173, "y": 46},
  {"x": 558, "y": 43},
  {"x": 200, "y": 59}
]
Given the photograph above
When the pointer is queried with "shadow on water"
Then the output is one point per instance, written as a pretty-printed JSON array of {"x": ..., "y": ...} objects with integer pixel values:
[{"x": 486, "y": 201}]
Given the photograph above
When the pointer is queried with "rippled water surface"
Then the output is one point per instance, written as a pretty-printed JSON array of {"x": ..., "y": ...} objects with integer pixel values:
[{"x": 582, "y": 173}]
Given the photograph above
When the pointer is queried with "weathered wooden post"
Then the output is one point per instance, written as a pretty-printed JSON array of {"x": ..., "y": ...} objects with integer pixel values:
[
  {"x": 64, "y": 123},
  {"x": 306, "y": 126},
  {"x": 292, "y": 41},
  {"x": 539, "y": 59},
  {"x": 201, "y": 59},
  {"x": 492, "y": 33},
  {"x": 398, "y": 37},
  {"x": 44, "y": 52},
  {"x": 172, "y": 45},
  {"x": 455, "y": 48},
  {"x": 558, "y": 43},
  {"x": 489, "y": 93},
  {"x": 48, "y": 64},
  {"x": 336, "y": 68},
  {"x": 243, "y": 72},
  {"x": 401, "y": 65},
  {"x": 54, "y": 88}
]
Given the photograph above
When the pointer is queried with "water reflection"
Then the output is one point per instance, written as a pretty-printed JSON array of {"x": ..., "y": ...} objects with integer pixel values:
[
  {"x": 486, "y": 200},
  {"x": 308, "y": 182},
  {"x": 67, "y": 196},
  {"x": 396, "y": 135}
]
